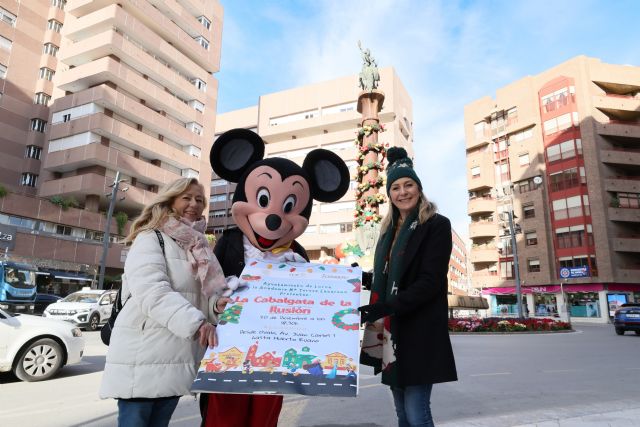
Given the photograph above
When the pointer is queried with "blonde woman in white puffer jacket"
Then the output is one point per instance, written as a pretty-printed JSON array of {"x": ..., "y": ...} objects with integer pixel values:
[{"x": 170, "y": 300}]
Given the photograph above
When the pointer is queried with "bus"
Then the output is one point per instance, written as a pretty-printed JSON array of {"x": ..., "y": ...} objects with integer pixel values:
[{"x": 17, "y": 287}]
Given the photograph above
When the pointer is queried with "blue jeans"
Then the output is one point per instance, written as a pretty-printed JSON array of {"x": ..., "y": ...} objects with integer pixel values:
[
  {"x": 413, "y": 405},
  {"x": 146, "y": 412}
]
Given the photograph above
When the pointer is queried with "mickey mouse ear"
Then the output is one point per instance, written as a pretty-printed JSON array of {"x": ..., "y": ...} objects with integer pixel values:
[
  {"x": 234, "y": 151},
  {"x": 328, "y": 173}
]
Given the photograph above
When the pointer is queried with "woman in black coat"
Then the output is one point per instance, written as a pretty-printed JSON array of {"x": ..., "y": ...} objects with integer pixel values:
[{"x": 406, "y": 336}]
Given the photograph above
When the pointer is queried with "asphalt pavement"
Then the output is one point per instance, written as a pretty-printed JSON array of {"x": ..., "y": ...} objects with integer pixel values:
[{"x": 590, "y": 378}]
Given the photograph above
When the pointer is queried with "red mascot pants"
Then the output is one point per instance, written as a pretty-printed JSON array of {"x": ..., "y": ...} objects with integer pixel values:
[{"x": 243, "y": 410}]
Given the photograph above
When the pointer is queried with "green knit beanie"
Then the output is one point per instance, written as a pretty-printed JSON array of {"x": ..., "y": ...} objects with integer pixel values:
[{"x": 400, "y": 166}]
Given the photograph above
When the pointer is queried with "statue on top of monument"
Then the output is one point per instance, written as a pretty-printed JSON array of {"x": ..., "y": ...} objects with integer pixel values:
[{"x": 369, "y": 76}]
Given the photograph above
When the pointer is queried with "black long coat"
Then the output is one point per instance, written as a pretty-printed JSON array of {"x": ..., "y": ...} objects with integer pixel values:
[{"x": 423, "y": 349}]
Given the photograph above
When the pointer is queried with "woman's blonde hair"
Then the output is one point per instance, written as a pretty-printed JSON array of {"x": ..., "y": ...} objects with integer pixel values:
[
  {"x": 156, "y": 213},
  {"x": 426, "y": 210}
]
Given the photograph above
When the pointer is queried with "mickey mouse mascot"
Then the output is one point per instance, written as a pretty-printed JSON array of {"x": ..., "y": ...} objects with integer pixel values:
[{"x": 271, "y": 207}]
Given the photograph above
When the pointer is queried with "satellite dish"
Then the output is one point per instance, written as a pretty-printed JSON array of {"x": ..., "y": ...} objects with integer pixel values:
[{"x": 537, "y": 180}]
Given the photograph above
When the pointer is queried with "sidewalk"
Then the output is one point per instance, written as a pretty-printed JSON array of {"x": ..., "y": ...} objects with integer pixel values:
[{"x": 620, "y": 414}]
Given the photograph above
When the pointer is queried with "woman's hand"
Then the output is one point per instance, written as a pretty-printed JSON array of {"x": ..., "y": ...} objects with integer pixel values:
[
  {"x": 206, "y": 335},
  {"x": 372, "y": 312},
  {"x": 221, "y": 303}
]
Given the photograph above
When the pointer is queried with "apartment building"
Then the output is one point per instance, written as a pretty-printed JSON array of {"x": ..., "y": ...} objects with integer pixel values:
[
  {"x": 90, "y": 88},
  {"x": 322, "y": 115},
  {"x": 458, "y": 275},
  {"x": 561, "y": 151}
]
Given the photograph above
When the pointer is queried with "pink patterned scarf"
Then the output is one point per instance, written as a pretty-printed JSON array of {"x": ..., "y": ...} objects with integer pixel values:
[{"x": 190, "y": 237}]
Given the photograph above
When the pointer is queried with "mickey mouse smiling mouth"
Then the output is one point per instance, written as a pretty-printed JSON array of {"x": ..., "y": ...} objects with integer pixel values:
[{"x": 263, "y": 241}]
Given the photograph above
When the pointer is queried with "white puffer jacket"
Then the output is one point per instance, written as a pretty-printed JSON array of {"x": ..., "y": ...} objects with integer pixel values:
[{"x": 153, "y": 352}]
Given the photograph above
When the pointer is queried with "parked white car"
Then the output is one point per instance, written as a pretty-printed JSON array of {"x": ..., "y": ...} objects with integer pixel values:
[
  {"x": 86, "y": 308},
  {"x": 35, "y": 348}
]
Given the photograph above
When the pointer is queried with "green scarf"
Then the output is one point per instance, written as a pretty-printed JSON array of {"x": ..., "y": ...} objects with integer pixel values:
[{"x": 387, "y": 272}]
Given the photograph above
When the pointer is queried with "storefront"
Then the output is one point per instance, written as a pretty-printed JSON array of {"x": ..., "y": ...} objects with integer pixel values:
[{"x": 587, "y": 302}]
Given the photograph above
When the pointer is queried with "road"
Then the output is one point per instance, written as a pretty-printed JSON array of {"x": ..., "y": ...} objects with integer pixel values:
[{"x": 504, "y": 380}]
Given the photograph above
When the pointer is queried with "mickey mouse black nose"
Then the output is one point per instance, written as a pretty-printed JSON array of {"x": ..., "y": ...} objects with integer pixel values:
[{"x": 273, "y": 222}]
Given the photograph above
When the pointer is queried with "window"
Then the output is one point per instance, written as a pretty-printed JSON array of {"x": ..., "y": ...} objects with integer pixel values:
[
  {"x": 475, "y": 172},
  {"x": 523, "y": 159},
  {"x": 528, "y": 211},
  {"x": 218, "y": 213},
  {"x": 339, "y": 146},
  {"x": 506, "y": 270},
  {"x": 527, "y": 185},
  {"x": 33, "y": 152},
  {"x": 531, "y": 238},
  {"x": 29, "y": 179},
  {"x": 231, "y": 196},
  {"x": 574, "y": 236},
  {"x": 565, "y": 179},
  {"x": 66, "y": 117},
  {"x": 54, "y": 25},
  {"x": 205, "y": 22},
  {"x": 533, "y": 265},
  {"x": 7, "y": 16},
  {"x": 5, "y": 43},
  {"x": 3, "y": 71},
  {"x": 46, "y": 73},
  {"x": 571, "y": 207},
  {"x": 629, "y": 200},
  {"x": 218, "y": 183},
  {"x": 38, "y": 125},
  {"x": 521, "y": 135},
  {"x": 202, "y": 42},
  {"x": 481, "y": 129},
  {"x": 197, "y": 105},
  {"x": 218, "y": 198},
  {"x": 218, "y": 230},
  {"x": 60, "y": 4},
  {"x": 50, "y": 49},
  {"x": 195, "y": 128},
  {"x": 41, "y": 98},
  {"x": 64, "y": 230},
  {"x": 202, "y": 86}
]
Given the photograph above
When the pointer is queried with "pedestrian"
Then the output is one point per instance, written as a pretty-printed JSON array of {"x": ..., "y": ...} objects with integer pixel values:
[
  {"x": 406, "y": 335},
  {"x": 170, "y": 289}
]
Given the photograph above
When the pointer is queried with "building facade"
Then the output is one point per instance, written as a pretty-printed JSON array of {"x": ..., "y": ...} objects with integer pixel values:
[
  {"x": 560, "y": 152},
  {"x": 89, "y": 89},
  {"x": 458, "y": 275},
  {"x": 322, "y": 115}
]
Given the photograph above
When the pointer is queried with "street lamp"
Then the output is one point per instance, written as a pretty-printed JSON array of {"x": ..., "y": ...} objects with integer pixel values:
[
  {"x": 107, "y": 227},
  {"x": 512, "y": 231}
]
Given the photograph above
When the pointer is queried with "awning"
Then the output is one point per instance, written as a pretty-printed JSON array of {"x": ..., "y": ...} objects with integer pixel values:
[
  {"x": 466, "y": 301},
  {"x": 67, "y": 275}
]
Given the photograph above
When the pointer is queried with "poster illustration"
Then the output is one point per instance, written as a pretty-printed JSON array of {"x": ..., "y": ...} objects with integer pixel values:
[{"x": 292, "y": 329}]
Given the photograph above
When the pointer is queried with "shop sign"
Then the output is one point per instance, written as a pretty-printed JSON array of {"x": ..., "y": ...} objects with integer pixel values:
[
  {"x": 574, "y": 272},
  {"x": 7, "y": 237}
]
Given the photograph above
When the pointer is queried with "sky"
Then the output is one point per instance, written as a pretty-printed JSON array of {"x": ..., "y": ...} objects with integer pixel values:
[{"x": 447, "y": 54}]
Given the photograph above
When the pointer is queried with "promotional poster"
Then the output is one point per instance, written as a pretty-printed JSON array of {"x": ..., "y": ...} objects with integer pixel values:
[{"x": 292, "y": 328}]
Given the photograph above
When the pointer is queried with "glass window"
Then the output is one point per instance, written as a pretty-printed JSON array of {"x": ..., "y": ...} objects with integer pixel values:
[
  {"x": 7, "y": 17},
  {"x": 3, "y": 71},
  {"x": 5, "y": 43},
  {"x": 475, "y": 171},
  {"x": 50, "y": 49},
  {"x": 60, "y": 4},
  {"x": 41, "y": 98},
  {"x": 29, "y": 179},
  {"x": 523, "y": 159},
  {"x": 46, "y": 73},
  {"x": 533, "y": 265},
  {"x": 54, "y": 25},
  {"x": 38, "y": 125},
  {"x": 528, "y": 211},
  {"x": 531, "y": 238},
  {"x": 584, "y": 304},
  {"x": 33, "y": 152},
  {"x": 218, "y": 182},
  {"x": 218, "y": 198},
  {"x": 205, "y": 22},
  {"x": 202, "y": 42}
]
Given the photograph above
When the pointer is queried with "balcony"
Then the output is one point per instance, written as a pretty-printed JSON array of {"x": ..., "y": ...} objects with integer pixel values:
[
  {"x": 110, "y": 158},
  {"x": 111, "y": 42},
  {"x": 621, "y": 107},
  {"x": 621, "y": 129},
  {"x": 483, "y": 229},
  {"x": 80, "y": 186},
  {"x": 624, "y": 184},
  {"x": 481, "y": 254},
  {"x": 624, "y": 214},
  {"x": 85, "y": 77},
  {"x": 626, "y": 244},
  {"x": 121, "y": 133},
  {"x": 626, "y": 157},
  {"x": 481, "y": 205}
]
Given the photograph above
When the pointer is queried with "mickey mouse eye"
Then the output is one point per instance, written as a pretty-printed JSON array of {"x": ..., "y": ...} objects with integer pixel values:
[
  {"x": 289, "y": 204},
  {"x": 263, "y": 197}
]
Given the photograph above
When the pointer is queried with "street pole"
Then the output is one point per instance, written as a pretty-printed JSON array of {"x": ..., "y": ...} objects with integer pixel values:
[
  {"x": 107, "y": 230},
  {"x": 515, "y": 263}
]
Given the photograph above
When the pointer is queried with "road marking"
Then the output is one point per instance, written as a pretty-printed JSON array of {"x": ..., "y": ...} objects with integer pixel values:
[
  {"x": 273, "y": 381},
  {"x": 290, "y": 382},
  {"x": 633, "y": 369},
  {"x": 257, "y": 381},
  {"x": 227, "y": 381},
  {"x": 490, "y": 374},
  {"x": 322, "y": 383},
  {"x": 211, "y": 379},
  {"x": 242, "y": 381},
  {"x": 337, "y": 385}
]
